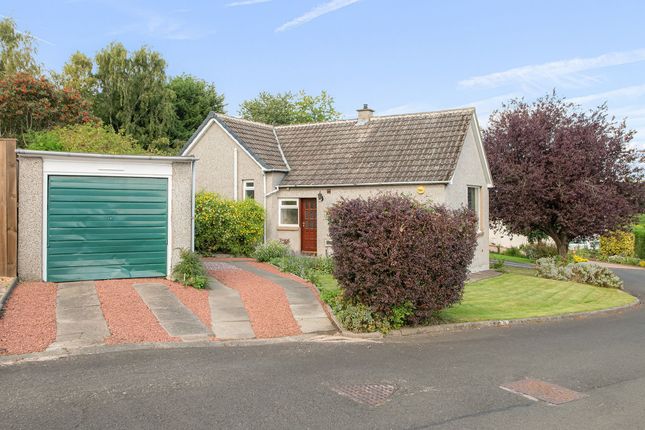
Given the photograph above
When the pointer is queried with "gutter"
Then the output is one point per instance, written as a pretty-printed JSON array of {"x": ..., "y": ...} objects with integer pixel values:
[
  {"x": 30, "y": 153},
  {"x": 368, "y": 184}
]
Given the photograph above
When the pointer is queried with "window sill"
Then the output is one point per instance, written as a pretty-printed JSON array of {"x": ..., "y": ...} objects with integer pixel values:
[{"x": 288, "y": 228}]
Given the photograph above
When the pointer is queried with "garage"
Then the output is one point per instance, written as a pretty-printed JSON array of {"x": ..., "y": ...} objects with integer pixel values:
[
  {"x": 95, "y": 216},
  {"x": 106, "y": 227}
]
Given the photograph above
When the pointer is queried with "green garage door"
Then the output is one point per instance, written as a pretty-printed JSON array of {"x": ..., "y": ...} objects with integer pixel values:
[{"x": 106, "y": 227}]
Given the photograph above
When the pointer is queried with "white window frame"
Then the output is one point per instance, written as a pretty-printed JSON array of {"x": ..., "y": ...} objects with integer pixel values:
[
  {"x": 477, "y": 201},
  {"x": 282, "y": 206},
  {"x": 246, "y": 187}
]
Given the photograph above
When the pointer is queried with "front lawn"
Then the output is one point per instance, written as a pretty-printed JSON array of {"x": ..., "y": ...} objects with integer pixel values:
[
  {"x": 513, "y": 296},
  {"x": 514, "y": 259}
]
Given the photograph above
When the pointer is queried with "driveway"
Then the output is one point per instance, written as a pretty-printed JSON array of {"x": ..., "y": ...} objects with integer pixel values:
[
  {"x": 245, "y": 300},
  {"x": 447, "y": 381}
]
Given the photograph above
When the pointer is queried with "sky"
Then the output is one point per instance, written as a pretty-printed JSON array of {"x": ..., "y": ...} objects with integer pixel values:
[{"x": 399, "y": 56}]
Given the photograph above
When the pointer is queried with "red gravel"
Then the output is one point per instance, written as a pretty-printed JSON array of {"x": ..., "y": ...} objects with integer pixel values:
[
  {"x": 271, "y": 268},
  {"x": 194, "y": 299},
  {"x": 28, "y": 323},
  {"x": 127, "y": 316},
  {"x": 265, "y": 302}
]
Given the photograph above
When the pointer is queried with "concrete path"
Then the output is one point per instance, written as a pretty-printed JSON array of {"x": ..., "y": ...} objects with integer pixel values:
[
  {"x": 229, "y": 318},
  {"x": 306, "y": 309},
  {"x": 173, "y": 316},
  {"x": 79, "y": 319}
]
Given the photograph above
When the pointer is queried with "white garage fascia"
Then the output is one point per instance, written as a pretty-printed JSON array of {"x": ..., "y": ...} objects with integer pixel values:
[{"x": 81, "y": 165}]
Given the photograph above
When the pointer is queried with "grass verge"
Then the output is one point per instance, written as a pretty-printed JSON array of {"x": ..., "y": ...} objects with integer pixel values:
[
  {"x": 496, "y": 256},
  {"x": 514, "y": 296}
]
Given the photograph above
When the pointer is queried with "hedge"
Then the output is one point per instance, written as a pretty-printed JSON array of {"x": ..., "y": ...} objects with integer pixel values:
[
  {"x": 639, "y": 241},
  {"x": 227, "y": 226},
  {"x": 392, "y": 252},
  {"x": 617, "y": 243}
]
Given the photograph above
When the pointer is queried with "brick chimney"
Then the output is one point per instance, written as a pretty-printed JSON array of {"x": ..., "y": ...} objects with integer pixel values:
[{"x": 365, "y": 114}]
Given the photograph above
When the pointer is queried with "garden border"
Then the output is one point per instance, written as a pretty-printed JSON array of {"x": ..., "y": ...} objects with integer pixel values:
[
  {"x": 455, "y": 327},
  {"x": 450, "y": 327}
]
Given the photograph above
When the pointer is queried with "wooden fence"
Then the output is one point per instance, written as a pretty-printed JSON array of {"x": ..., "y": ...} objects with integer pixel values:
[{"x": 8, "y": 208}]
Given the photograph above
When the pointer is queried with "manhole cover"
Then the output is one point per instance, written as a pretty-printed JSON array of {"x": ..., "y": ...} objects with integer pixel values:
[
  {"x": 540, "y": 390},
  {"x": 367, "y": 394},
  {"x": 217, "y": 265}
]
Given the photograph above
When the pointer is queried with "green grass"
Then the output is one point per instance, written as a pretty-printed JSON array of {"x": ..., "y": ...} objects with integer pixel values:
[
  {"x": 328, "y": 287},
  {"x": 496, "y": 256},
  {"x": 513, "y": 296}
]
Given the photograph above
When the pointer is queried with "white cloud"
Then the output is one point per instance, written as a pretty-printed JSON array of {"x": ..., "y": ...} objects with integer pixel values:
[
  {"x": 565, "y": 73},
  {"x": 620, "y": 93},
  {"x": 246, "y": 3},
  {"x": 316, "y": 12},
  {"x": 152, "y": 23}
]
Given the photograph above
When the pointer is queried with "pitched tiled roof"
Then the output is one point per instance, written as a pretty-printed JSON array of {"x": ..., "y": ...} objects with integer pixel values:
[
  {"x": 259, "y": 139},
  {"x": 414, "y": 148}
]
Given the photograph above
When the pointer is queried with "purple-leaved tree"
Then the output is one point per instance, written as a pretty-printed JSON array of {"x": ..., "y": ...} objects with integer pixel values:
[{"x": 568, "y": 173}]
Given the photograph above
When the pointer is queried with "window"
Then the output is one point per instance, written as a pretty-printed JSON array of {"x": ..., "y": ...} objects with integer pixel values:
[
  {"x": 249, "y": 189},
  {"x": 473, "y": 202},
  {"x": 288, "y": 213},
  {"x": 473, "y": 199}
]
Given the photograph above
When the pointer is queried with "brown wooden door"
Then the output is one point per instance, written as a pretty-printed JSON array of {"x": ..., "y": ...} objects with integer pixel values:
[{"x": 308, "y": 225}]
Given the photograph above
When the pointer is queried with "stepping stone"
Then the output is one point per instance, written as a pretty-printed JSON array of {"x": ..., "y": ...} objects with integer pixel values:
[
  {"x": 305, "y": 307},
  {"x": 228, "y": 314},
  {"x": 79, "y": 318},
  {"x": 173, "y": 316}
]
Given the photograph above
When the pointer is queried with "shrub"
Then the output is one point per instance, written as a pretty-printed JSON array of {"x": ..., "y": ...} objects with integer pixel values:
[
  {"x": 91, "y": 137},
  {"x": 591, "y": 274},
  {"x": 270, "y": 250},
  {"x": 391, "y": 250},
  {"x": 227, "y": 226},
  {"x": 190, "y": 271},
  {"x": 301, "y": 265},
  {"x": 513, "y": 252},
  {"x": 619, "y": 259},
  {"x": 497, "y": 264},
  {"x": 537, "y": 250},
  {"x": 359, "y": 317},
  {"x": 579, "y": 259},
  {"x": 617, "y": 243},
  {"x": 639, "y": 241}
]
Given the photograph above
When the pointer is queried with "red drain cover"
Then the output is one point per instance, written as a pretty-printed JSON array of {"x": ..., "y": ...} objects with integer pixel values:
[{"x": 551, "y": 393}]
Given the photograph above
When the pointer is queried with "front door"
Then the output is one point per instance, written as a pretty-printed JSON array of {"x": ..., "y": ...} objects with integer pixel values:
[{"x": 308, "y": 226}]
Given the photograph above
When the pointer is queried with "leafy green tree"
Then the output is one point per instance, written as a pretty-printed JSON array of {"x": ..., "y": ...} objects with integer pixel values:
[
  {"x": 78, "y": 74},
  {"x": 194, "y": 99},
  {"x": 31, "y": 104},
  {"x": 17, "y": 50},
  {"x": 133, "y": 96},
  {"x": 90, "y": 137},
  {"x": 289, "y": 108}
]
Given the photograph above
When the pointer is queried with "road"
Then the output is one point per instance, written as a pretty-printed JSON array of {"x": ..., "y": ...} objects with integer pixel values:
[{"x": 447, "y": 381}]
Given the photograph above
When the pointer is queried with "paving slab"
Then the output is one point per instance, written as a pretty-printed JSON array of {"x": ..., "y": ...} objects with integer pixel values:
[
  {"x": 79, "y": 318},
  {"x": 173, "y": 316},
  {"x": 305, "y": 307},
  {"x": 229, "y": 317}
]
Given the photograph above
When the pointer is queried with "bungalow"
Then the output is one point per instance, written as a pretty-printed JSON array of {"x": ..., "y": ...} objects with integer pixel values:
[{"x": 297, "y": 171}]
